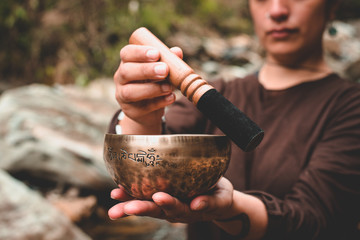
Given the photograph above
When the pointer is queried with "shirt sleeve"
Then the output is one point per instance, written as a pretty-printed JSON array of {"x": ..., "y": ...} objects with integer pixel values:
[
  {"x": 183, "y": 117},
  {"x": 326, "y": 198},
  {"x": 113, "y": 122}
]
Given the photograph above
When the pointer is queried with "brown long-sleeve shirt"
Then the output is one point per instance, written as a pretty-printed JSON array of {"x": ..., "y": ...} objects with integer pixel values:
[{"x": 307, "y": 168}]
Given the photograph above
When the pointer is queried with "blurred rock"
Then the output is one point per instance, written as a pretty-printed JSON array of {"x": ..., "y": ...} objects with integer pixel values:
[
  {"x": 26, "y": 215},
  {"x": 215, "y": 47},
  {"x": 241, "y": 41},
  {"x": 55, "y": 134},
  {"x": 211, "y": 67},
  {"x": 343, "y": 49},
  {"x": 242, "y": 50},
  {"x": 190, "y": 45},
  {"x": 137, "y": 228},
  {"x": 353, "y": 71},
  {"x": 72, "y": 205}
]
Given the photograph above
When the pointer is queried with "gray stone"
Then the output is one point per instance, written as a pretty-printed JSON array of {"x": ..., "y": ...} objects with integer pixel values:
[
  {"x": 55, "y": 133},
  {"x": 190, "y": 45},
  {"x": 27, "y": 215},
  {"x": 353, "y": 71},
  {"x": 343, "y": 49},
  {"x": 215, "y": 47}
]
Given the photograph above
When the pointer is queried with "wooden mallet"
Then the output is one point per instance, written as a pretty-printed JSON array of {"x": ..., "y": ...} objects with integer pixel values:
[{"x": 228, "y": 118}]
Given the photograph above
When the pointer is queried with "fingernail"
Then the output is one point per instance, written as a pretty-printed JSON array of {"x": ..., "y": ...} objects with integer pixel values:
[
  {"x": 165, "y": 87},
  {"x": 157, "y": 200},
  {"x": 110, "y": 213},
  {"x": 170, "y": 97},
  {"x": 160, "y": 69},
  {"x": 152, "y": 54},
  {"x": 111, "y": 196},
  {"x": 201, "y": 205}
]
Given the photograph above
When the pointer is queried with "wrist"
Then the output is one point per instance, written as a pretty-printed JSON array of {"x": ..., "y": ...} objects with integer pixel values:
[
  {"x": 251, "y": 226},
  {"x": 128, "y": 125},
  {"x": 241, "y": 221}
]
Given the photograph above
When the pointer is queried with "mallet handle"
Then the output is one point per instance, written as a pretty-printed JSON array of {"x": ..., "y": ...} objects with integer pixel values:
[{"x": 234, "y": 123}]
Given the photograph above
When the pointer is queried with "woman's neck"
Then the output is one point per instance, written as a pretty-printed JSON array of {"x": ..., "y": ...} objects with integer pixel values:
[{"x": 279, "y": 75}]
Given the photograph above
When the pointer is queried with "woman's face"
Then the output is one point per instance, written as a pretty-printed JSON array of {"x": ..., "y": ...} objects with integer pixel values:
[{"x": 288, "y": 27}]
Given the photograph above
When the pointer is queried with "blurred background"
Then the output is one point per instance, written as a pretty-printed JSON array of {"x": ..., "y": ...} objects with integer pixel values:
[{"x": 57, "y": 59}]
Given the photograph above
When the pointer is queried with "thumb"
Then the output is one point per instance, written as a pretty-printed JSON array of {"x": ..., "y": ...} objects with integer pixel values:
[{"x": 177, "y": 51}]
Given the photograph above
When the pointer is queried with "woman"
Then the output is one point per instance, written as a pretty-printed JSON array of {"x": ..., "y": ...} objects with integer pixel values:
[{"x": 302, "y": 181}]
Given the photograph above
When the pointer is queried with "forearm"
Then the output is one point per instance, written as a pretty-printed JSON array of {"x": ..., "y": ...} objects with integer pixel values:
[
  {"x": 121, "y": 124},
  {"x": 129, "y": 126},
  {"x": 256, "y": 212}
]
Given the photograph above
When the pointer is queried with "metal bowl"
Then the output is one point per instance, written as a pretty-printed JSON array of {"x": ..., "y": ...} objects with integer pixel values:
[{"x": 181, "y": 165}]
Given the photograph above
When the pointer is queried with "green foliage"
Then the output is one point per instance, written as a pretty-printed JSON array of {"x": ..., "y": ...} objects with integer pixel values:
[{"x": 76, "y": 41}]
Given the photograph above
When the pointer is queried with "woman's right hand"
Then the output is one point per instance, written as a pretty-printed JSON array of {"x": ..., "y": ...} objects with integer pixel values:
[{"x": 142, "y": 89}]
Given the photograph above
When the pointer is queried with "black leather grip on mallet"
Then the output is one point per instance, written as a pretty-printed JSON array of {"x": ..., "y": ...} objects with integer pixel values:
[{"x": 229, "y": 119}]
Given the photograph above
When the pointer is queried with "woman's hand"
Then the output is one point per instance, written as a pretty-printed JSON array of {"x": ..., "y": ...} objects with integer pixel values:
[
  {"x": 217, "y": 205},
  {"x": 141, "y": 88}
]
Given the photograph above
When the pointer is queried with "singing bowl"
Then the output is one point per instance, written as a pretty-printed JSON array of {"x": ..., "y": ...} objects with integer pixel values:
[{"x": 182, "y": 165}]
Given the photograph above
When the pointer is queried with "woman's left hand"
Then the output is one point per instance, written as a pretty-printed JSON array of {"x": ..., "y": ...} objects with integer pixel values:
[{"x": 216, "y": 205}]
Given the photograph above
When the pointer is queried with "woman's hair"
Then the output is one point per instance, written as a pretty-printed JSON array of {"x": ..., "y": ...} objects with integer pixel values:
[{"x": 331, "y": 6}]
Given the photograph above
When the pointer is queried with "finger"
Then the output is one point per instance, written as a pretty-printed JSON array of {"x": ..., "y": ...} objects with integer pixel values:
[
  {"x": 178, "y": 51},
  {"x": 120, "y": 194},
  {"x": 139, "y": 53},
  {"x": 141, "y": 91},
  {"x": 128, "y": 72},
  {"x": 172, "y": 207},
  {"x": 163, "y": 199},
  {"x": 142, "y": 208},
  {"x": 220, "y": 199},
  {"x": 117, "y": 211},
  {"x": 145, "y": 107}
]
